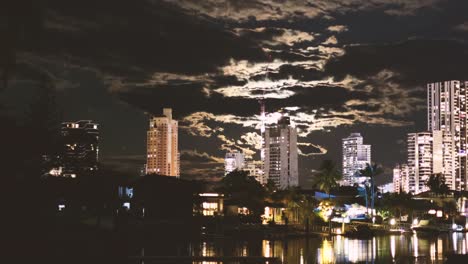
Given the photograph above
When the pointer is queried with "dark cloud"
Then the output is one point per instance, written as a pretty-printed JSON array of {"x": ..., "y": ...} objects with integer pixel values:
[
  {"x": 418, "y": 61},
  {"x": 139, "y": 38}
]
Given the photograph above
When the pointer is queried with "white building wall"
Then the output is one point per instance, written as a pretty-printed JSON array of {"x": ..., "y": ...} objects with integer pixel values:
[
  {"x": 447, "y": 111},
  {"x": 356, "y": 156},
  {"x": 419, "y": 161},
  {"x": 281, "y": 160},
  {"x": 233, "y": 161}
]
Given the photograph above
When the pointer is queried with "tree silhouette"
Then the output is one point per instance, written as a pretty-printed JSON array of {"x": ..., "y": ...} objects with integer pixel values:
[
  {"x": 371, "y": 171},
  {"x": 436, "y": 184},
  {"x": 327, "y": 177},
  {"x": 398, "y": 203},
  {"x": 244, "y": 190}
]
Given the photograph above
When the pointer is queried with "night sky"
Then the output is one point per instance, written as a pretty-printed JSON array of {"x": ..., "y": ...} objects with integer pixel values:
[{"x": 333, "y": 66}]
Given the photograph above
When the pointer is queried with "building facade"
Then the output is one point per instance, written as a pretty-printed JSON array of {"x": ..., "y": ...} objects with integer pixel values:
[
  {"x": 255, "y": 169},
  {"x": 356, "y": 156},
  {"x": 281, "y": 160},
  {"x": 400, "y": 178},
  {"x": 447, "y": 112},
  {"x": 163, "y": 156},
  {"x": 420, "y": 161},
  {"x": 444, "y": 158},
  {"x": 80, "y": 148},
  {"x": 233, "y": 160}
]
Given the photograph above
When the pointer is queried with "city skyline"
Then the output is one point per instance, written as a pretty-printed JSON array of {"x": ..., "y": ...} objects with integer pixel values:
[
  {"x": 235, "y": 131},
  {"x": 333, "y": 69}
]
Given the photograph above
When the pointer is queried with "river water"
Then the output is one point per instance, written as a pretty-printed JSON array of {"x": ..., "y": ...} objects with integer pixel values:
[{"x": 409, "y": 248}]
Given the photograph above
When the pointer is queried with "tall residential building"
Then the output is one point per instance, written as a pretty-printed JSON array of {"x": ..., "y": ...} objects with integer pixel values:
[
  {"x": 428, "y": 153},
  {"x": 420, "y": 161},
  {"x": 444, "y": 156},
  {"x": 162, "y": 145},
  {"x": 233, "y": 160},
  {"x": 400, "y": 178},
  {"x": 281, "y": 161},
  {"x": 356, "y": 156},
  {"x": 80, "y": 148},
  {"x": 447, "y": 111}
]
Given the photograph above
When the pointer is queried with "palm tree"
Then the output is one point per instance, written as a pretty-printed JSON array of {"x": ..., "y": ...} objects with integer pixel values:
[
  {"x": 371, "y": 171},
  {"x": 327, "y": 177}
]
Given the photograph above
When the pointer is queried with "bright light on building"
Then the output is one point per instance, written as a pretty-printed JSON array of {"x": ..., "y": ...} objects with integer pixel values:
[
  {"x": 61, "y": 207},
  {"x": 126, "y": 205},
  {"x": 209, "y": 208},
  {"x": 392, "y": 221},
  {"x": 439, "y": 213},
  {"x": 415, "y": 221},
  {"x": 432, "y": 211},
  {"x": 56, "y": 171},
  {"x": 210, "y": 194}
]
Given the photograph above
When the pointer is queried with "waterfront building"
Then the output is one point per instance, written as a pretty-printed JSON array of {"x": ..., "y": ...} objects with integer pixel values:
[
  {"x": 447, "y": 112},
  {"x": 233, "y": 160},
  {"x": 162, "y": 145},
  {"x": 281, "y": 160},
  {"x": 356, "y": 156},
  {"x": 428, "y": 153},
  {"x": 80, "y": 148},
  {"x": 210, "y": 204}
]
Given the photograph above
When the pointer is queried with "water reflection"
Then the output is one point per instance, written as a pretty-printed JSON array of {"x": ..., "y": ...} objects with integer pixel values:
[{"x": 412, "y": 248}]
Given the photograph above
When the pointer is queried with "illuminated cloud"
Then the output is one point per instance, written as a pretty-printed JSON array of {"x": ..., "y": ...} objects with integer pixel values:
[
  {"x": 194, "y": 155},
  {"x": 290, "y": 37},
  {"x": 194, "y": 125},
  {"x": 331, "y": 41},
  {"x": 309, "y": 149},
  {"x": 251, "y": 139},
  {"x": 337, "y": 28},
  {"x": 270, "y": 89}
]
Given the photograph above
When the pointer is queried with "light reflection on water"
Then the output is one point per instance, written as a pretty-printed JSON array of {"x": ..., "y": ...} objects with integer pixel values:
[{"x": 338, "y": 249}]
